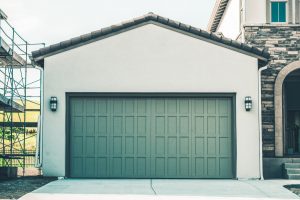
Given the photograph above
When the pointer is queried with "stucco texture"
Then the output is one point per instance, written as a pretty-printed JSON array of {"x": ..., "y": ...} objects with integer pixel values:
[{"x": 151, "y": 58}]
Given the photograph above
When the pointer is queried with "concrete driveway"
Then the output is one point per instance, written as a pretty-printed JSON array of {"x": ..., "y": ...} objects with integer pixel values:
[{"x": 162, "y": 189}]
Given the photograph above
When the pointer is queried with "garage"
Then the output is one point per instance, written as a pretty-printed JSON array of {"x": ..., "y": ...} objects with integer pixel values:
[
  {"x": 150, "y": 136},
  {"x": 151, "y": 98}
]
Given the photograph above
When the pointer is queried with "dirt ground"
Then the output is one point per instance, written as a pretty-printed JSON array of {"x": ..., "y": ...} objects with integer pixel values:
[{"x": 15, "y": 188}]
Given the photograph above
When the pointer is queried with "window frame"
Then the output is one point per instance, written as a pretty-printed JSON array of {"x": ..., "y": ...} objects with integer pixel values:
[{"x": 286, "y": 11}]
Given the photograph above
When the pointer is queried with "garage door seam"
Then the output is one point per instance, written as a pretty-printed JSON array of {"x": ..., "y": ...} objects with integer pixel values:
[{"x": 151, "y": 184}]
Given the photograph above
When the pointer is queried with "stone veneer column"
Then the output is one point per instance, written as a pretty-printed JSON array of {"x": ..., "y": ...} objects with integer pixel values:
[{"x": 283, "y": 43}]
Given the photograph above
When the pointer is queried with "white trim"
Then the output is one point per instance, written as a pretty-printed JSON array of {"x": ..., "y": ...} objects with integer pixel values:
[
  {"x": 272, "y": 25},
  {"x": 294, "y": 11},
  {"x": 39, "y": 139},
  {"x": 260, "y": 123}
]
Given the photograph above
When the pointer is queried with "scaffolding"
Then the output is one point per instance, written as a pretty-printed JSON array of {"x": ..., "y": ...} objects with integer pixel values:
[{"x": 20, "y": 88}]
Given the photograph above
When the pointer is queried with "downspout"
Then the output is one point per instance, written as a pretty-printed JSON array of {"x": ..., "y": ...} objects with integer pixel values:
[
  {"x": 39, "y": 139},
  {"x": 260, "y": 123}
]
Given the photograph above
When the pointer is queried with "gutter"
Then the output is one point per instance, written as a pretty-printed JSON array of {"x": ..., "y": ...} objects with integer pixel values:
[
  {"x": 260, "y": 123},
  {"x": 39, "y": 139}
]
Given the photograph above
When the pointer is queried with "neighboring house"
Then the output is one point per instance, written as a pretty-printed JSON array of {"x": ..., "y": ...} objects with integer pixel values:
[
  {"x": 274, "y": 25},
  {"x": 151, "y": 98}
]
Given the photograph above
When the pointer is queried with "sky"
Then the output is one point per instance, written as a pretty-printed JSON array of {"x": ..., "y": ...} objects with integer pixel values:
[{"x": 52, "y": 21}]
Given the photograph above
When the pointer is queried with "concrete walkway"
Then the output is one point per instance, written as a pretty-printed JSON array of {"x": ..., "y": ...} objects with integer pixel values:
[{"x": 162, "y": 189}]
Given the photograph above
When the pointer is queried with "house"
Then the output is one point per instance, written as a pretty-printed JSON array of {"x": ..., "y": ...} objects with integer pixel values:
[
  {"x": 151, "y": 98},
  {"x": 273, "y": 25}
]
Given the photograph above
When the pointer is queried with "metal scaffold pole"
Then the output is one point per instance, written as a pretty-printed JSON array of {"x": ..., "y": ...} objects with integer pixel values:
[{"x": 20, "y": 91}]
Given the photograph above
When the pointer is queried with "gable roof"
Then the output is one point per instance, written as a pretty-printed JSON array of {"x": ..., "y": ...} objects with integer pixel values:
[
  {"x": 217, "y": 15},
  {"x": 39, "y": 55}
]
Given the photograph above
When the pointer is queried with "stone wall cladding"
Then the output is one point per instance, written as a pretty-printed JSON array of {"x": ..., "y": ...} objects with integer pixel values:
[{"x": 283, "y": 44}]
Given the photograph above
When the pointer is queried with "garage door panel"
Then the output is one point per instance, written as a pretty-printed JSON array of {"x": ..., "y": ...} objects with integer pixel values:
[
  {"x": 211, "y": 125},
  {"x": 77, "y": 167},
  {"x": 90, "y": 148},
  {"x": 184, "y": 167},
  {"x": 225, "y": 166},
  {"x": 211, "y": 146},
  {"x": 142, "y": 146},
  {"x": 199, "y": 125},
  {"x": 172, "y": 146},
  {"x": 172, "y": 166},
  {"x": 129, "y": 125},
  {"x": 77, "y": 147},
  {"x": 159, "y": 164},
  {"x": 129, "y": 167},
  {"x": 211, "y": 167},
  {"x": 90, "y": 167},
  {"x": 91, "y": 129},
  {"x": 102, "y": 125},
  {"x": 102, "y": 145},
  {"x": 116, "y": 167},
  {"x": 117, "y": 146},
  {"x": 77, "y": 125},
  {"x": 199, "y": 146},
  {"x": 225, "y": 147},
  {"x": 159, "y": 125},
  {"x": 102, "y": 167},
  {"x": 150, "y": 137},
  {"x": 211, "y": 106},
  {"x": 117, "y": 125},
  {"x": 142, "y": 167},
  {"x": 172, "y": 125},
  {"x": 198, "y": 108},
  {"x": 142, "y": 125},
  {"x": 129, "y": 145},
  {"x": 183, "y": 146},
  {"x": 160, "y": 145}
]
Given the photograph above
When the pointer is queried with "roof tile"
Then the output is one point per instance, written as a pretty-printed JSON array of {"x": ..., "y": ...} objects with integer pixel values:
[
  {"x": 173, "y": 23},
  {"x": 86, "y": 37},
  {"x": 163, "y": 20},
  {"x": 127, "y": 24},
  {"x": 76, "y": 40},
  {"x": 105, "y": 31},
  {"x": 184, "y": 27},
  {"x": 194, "y": 30}
]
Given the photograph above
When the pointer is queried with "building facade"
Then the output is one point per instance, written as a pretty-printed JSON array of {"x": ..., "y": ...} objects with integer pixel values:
[
  {"x": 147, "y": 98},
  {"x": 273, "y": 25}
]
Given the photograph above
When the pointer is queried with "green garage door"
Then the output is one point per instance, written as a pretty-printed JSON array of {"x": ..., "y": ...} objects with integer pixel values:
[{"x": 150, "y": 137}]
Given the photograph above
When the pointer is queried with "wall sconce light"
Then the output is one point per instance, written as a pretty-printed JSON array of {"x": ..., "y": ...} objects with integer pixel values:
[
  {"x": 53, "y": 103},
  {"x": 248, "y": 103}
]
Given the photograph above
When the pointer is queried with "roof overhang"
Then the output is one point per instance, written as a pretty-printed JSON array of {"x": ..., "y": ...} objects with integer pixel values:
[
  {"x": 39, "y": 55},
  {"x": 217, "y": 15}
]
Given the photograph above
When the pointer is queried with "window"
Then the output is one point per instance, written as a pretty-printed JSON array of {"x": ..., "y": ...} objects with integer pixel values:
[{"x": 278, "y": 11}]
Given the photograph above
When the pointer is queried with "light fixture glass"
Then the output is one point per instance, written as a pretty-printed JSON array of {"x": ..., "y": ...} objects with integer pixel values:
[
  {"x": 53, "y": 103},
  {"x": 248, "y": 103}
]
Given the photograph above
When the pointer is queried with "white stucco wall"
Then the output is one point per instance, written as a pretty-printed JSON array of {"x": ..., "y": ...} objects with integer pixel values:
[
  {"x": 255, "y": 11},
  {"x": 230, "y": 24},
  {"x": 151, "y": 59}
]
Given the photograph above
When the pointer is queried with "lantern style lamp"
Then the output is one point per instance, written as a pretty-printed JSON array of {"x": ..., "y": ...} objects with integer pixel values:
[
  {"x": 248, "y": 103},
  {"x": 53, "y": 104}
]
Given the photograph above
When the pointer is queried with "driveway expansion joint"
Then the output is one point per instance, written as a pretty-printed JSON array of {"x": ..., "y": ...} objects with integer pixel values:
[{"x": 151, "y": 185}]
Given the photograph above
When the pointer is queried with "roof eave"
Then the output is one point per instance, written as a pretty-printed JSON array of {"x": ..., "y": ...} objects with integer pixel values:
[{"x": 39, "y": 55}]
